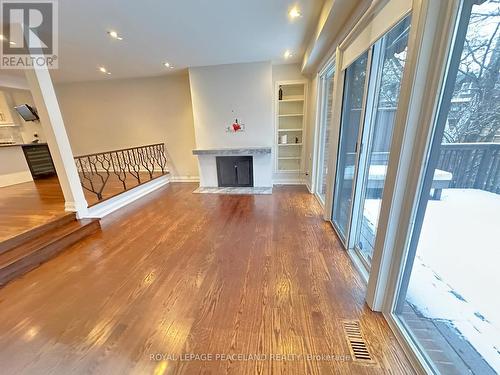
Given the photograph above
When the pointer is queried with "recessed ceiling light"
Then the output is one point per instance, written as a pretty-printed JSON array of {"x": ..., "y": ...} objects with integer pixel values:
[
  {"x": 113, "y": 34},
  {"x": 12, "y": 43},
  {"x": 102, "y": 69},
  {"x": 294, "y": 13},
  {"x": 287, "y": 54},
  {"x": 167, "y": 64},
  {"x": 2, "y": 37}
]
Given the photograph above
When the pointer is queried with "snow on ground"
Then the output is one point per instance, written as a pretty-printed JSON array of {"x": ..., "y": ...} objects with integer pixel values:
[
  {"x": 456, "y": 274},
  {"x": 371, "y": 212}
]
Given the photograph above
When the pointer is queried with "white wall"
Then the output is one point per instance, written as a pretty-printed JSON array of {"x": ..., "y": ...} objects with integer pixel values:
[
  {"x": 285, "y": 72},
  {"x": 114, "y": 114},
  {"x": 312, "y": 101},
  {"x": 224, "y": 92},
  {"x": 13, "y": 167}
]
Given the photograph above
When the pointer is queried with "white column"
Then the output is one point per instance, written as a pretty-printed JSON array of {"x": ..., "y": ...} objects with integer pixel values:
[{"x": 52, "y": 122}]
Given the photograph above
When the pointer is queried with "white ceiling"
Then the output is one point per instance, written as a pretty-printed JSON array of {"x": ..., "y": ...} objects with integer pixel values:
[{"x": 185, "y": 33}]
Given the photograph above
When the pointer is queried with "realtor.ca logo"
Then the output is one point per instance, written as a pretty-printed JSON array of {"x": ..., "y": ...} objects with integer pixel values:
[{"x": 29, "y": 34}]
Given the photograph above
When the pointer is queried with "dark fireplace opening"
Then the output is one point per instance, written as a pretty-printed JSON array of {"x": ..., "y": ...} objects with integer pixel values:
[{"x": 234, "y": 171}]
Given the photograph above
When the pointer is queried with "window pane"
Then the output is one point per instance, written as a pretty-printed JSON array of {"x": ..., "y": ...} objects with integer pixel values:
[
  {"x": 324, "y": 135},
  {"x": 388, "y": 73},
  {"x": 350, "y": 124},
  {"x": 449, "y": 297}
]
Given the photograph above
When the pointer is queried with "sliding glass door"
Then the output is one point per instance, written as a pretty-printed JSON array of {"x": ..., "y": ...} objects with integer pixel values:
[
  {"x": 448, "y": 300},
  {"x": 326, "y": 101},
  {"x": 389, "y": 56},
  {"x": 371, "y": 95},
  {"x": 347, "y": 157}
]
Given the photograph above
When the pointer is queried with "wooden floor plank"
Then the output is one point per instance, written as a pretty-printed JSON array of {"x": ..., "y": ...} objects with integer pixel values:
[{"x": 177, "y": 273}]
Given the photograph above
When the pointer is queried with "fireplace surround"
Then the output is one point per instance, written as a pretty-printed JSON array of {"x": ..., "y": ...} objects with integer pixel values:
[
  {"x": 261, "y": 164},
  {"x": 234, "y": 171}
]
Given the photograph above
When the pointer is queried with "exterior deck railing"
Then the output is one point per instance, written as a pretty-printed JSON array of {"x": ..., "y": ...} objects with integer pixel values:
[
  {"x": 121, "y": 170},
  {"x": 473, "y": 165}
]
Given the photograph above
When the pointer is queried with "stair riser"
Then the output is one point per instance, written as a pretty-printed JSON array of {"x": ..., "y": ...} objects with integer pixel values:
[
  {"x": 23, "y": 237},
  {"x": 45, "y": 253}
]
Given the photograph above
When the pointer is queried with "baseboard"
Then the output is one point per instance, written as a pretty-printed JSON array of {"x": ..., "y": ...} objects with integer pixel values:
[
  {"x": 288, "y": 181},
  {"x": 112, "y": 204},
  {"x": 309, "y": 187},
  {"x": 358, "y": 265},
  {"x": 15, "y": 178},
  {"x": 184, "y": 179}
]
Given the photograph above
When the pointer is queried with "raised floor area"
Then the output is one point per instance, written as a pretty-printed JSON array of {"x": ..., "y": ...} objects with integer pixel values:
[
  {"x": 29, "y": 205},
  {"x": 177, "y": 274}
]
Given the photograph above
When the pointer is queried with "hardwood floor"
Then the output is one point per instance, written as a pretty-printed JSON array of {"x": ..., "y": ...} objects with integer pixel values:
[
  {"x": 178, "y": 273},
  {"x": 28, "y": 205}
]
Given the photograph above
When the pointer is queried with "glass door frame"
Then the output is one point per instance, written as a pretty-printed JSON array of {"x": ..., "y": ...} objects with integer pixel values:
[
  {"x": 367, "y": 127},
  {"x": 323, "y": 76},
  {"x": 345, "y": 240}
]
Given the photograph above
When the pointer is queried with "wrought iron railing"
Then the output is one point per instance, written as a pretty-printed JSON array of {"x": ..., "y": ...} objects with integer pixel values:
[{"x": 123, "y": 169}]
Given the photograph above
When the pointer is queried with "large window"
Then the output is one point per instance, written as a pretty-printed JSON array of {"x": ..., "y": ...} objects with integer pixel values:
[
  {"x": 326, "y": 97},
  {"x": 448, "y": 299}
]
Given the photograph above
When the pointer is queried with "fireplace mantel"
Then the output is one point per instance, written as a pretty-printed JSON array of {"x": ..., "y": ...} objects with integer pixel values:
[{"x": 233, "y": 151}]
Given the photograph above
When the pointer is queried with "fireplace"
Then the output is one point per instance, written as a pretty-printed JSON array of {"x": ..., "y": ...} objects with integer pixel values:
[
  {"x": 256, "y": 161},
  {"x": 234, "y": 171}
]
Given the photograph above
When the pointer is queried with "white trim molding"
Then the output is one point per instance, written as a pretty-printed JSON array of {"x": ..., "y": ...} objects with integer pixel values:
[
  {"x": 289, "y": 181},
  {"x": 110, "y": 205},
  {"x": 184, "y": 179}
]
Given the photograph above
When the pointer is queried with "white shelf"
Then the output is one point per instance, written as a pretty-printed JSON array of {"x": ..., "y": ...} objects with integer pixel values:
[
  {"x": 292, "y": 115},
  {"x": 289, "y": 170},
  {"x": 291, "y": 100},
  {"x": 289, "y": 144},
  {"x": 289, "y": 158},
  {"x": 290, "y": 130}
]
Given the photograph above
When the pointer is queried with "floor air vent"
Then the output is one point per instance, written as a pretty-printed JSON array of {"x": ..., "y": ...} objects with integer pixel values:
[{"x": 357, "y": 344}]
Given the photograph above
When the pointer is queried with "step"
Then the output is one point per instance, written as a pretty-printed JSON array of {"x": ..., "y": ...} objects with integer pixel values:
[
  {"x": 34, "y": 251},
  {"x": 35, "y": 232}
]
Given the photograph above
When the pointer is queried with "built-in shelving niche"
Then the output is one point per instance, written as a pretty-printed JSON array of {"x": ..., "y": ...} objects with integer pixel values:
[{"x": 290, "y": 120}]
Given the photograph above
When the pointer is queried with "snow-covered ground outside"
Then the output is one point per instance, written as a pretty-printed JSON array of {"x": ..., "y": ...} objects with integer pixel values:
[{"x": 456, "y": 274}]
